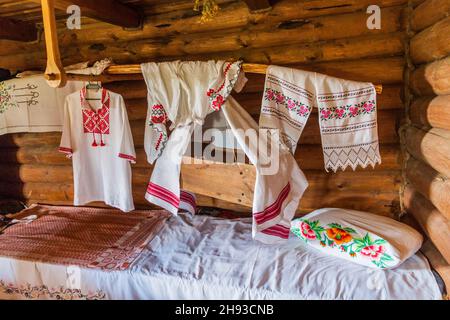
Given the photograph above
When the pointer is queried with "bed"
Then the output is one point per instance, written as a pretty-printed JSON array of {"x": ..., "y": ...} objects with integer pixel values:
[{"x": 203, "y": 257}]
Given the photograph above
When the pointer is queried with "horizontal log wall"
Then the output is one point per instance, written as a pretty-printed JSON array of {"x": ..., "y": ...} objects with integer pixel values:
[
  {"x": 427, "y": 137},
  {"x": 318, "y": 35}
]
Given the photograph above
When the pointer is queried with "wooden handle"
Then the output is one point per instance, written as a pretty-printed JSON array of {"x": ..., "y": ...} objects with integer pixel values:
[{"x": 55, "y": 74}]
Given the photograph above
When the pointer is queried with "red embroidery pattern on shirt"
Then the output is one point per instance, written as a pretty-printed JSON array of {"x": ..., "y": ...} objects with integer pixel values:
[
  {"x": 158, "y": 143},
  {"x": 158, "y": 114},
  {"x": 127, "y": 157},
  {"x": 214, "y": 95},
  {"x": 96, "y": 122}
]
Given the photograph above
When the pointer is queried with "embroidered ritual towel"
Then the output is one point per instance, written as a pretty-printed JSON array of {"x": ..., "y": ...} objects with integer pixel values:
[
  {"x": 346, "y": 111},
  {"x": 279, "y": 181},
  {"x": 97, "y": 135},
  {"x": 184, "y": 93},
  {"x": 31, "y": 105}
]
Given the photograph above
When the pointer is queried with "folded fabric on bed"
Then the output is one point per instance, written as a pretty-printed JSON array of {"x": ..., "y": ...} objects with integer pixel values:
[{"x": 88, "y": 237}]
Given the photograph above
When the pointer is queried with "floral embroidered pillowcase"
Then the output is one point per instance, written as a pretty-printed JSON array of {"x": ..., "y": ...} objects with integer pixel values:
[{"x": 364, "y": 238}]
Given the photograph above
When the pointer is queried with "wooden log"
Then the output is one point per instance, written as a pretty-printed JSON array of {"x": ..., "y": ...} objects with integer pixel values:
[
  {"x": 313, "y": 17},
  {"x": 383, "y": 203},
  {"x": 431, "y": 184},
  {"x": 380, "y": 71},
  {"x": 438, "y": 262},
  {"x": 230, "y": 47},
  {"x": 428, "y": 13},
  {"x": 235, "y": 174},
  {"x": 432, "y": 43},
  {"x": 258, "y": 5},
  {"x": 310, "y": 157},
  {"x": 15, "y": 30},
  {"x": 431, "y": 112},
  {"x": 435, "y": 225},
  {"x": 431, "y": 146},
  {"x": 110, "y": 11},
  {"x": 432, "y": 79}
]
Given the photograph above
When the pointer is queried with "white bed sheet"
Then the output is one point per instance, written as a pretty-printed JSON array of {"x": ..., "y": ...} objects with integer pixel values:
[{"x": 209, "y": 258}]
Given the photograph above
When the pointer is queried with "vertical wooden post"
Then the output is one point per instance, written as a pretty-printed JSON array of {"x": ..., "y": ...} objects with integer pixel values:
[{"x": 56, "y": 77}]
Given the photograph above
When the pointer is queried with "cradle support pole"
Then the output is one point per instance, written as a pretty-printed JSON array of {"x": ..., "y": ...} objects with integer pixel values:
[{"x": 54, "y": 72}]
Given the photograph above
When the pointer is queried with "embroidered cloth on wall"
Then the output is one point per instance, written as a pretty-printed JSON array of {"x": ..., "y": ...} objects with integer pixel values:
[
  {"x": 347, "y": 114},
  {"x": 185, "y": 93},
  {"x": 98, "y": 137},
  {"x": 86, "y": 237},
  {"x": 31, "y": 105}
]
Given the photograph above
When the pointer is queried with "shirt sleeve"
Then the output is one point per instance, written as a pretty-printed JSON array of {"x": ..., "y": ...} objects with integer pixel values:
[
  {"x": 126, "y": 144},
  {"x": 66, "y": 138}
]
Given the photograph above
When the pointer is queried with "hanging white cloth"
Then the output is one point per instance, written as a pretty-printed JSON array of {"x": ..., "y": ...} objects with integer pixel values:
[
  {"x": 31, "y": 105},
  {"x": 279, "y": 181},
  {"x": 187, "y": 92},
  {"x": 98, "y": 139},
  {"x": 347, "y": 114},
  {"x": 183, "y": 93}
]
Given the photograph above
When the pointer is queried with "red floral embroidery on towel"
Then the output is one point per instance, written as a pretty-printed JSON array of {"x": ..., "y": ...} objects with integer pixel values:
[
  {"x": 291, "y": 104},
  {"x": 349, "y": 110}
]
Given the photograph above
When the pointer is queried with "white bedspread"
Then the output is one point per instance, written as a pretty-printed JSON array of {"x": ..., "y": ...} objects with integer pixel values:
[{"x": 208, "y": 258}]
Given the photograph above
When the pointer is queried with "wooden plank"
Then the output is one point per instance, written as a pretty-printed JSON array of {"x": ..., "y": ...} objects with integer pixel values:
[
  {"x": 428, "y": 13},
  {"x": 431, "y": 184},
  {"x": 258, "y": 5},
  {"x": 431, "y": 112},
  {"x": 432, "y": 79},
  {"x": 15, "y": 30},
  {"x": 431, "y": 146},
  {"x": 432, "y": 43},
  {"x": 435, "y": 225},
  {"x": 110, "y": 11}
]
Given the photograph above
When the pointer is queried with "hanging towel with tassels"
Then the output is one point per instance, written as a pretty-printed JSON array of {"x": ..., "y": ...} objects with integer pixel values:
[{"x": 346, "y": 112}]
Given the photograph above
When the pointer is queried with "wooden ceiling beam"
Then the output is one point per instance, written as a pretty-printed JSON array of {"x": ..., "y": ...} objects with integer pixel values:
[
  {"x": 258, "y": 5},
  {"x": 110, "y": 11},
  {"x": 16, "y": 30}
]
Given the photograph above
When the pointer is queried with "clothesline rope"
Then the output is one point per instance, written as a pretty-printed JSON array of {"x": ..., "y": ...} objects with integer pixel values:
[{"x": 133, "y": 72}]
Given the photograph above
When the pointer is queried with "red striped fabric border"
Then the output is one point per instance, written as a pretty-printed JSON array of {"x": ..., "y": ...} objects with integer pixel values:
[
  {"x": 274, "y": 209},
  {"x": 65, "y": 150},
  {"x": 188, "y": 198},
  {"x": 278, "y": 231},
  {"x": 163, "y": 194},
  {"x": 126, "y": 156}
]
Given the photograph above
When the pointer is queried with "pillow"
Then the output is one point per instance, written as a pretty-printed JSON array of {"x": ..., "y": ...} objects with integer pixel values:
[{"x": 364, "y": 238}]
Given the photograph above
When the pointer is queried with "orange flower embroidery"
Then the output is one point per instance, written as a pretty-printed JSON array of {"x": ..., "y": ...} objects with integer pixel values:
[{"x": 339, "y": 236}]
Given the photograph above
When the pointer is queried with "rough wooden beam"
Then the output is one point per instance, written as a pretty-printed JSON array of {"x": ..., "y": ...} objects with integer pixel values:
[
  {"x": 432, "y": 78},
  {"x": 428, "y": 13},
  {"x": 11, "y": 29},
  {"x": 258, "y": 5},
  {"x": 435, "y": 225},
  {"x": 110, "y": 11}
]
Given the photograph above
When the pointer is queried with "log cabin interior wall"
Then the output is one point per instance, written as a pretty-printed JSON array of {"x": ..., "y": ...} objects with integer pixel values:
[
  {"x": 326, "y": 36},
  {"x": 426, "y": 134}
]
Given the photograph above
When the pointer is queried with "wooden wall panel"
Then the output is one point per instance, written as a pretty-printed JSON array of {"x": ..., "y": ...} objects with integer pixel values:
[{"x": 318, "y": 35}]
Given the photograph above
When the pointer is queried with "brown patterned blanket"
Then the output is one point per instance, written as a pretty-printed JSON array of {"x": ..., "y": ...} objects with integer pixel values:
[{"x": 99, "y": 238}]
